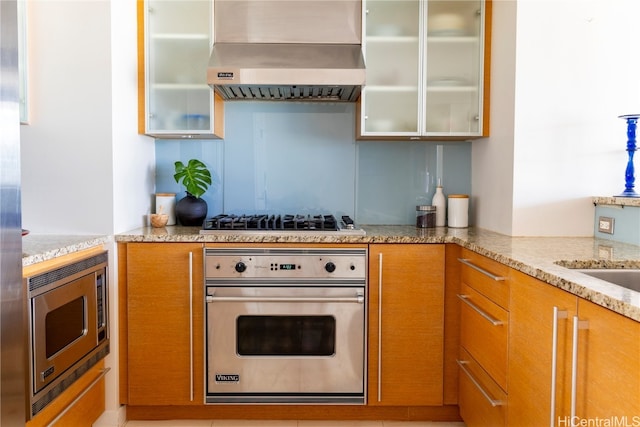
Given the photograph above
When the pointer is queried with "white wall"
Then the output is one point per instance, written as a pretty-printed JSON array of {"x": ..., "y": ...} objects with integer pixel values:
[
  {"x": 492, "y": 158},
  {"x": 84, "y": 168},
  {"x": 66, "y": 149},
  {"x": 133, "y": 154},
  {"x": 575, "y": 72}
]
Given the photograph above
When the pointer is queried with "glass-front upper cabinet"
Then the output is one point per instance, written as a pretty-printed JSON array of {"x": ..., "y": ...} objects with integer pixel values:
[
  {"x": 391, "y": 98},
  {"x": 426, "y": 68},
  {"x": 176, "y": 101}
]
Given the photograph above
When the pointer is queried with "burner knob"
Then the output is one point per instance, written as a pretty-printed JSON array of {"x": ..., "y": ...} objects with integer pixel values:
[
  {"x": 330, "y": 267},
  {"x": 240, "y": 267}
]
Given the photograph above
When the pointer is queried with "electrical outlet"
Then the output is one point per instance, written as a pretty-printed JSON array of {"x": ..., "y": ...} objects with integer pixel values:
[{"x": 605, "y": 225}]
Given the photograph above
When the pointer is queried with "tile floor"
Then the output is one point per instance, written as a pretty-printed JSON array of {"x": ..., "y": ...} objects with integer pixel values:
[{"x": 288, "y": 423}]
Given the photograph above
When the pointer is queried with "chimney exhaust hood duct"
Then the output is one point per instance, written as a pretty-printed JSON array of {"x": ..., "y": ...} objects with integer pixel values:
[{"x": 303, "y": 50}]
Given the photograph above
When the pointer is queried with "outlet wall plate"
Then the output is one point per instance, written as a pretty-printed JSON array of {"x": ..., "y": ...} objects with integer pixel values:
[{"x": 605, "y": 224}]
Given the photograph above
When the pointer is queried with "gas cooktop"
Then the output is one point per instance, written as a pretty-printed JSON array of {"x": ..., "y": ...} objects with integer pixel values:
[{"x": 280, "y": 224}]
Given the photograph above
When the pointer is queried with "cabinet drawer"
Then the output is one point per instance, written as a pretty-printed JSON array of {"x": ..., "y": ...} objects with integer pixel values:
[
  {"x": 487, "y": 276},
  {"x": 482, "y": 401},
  {"x": 483, "y": 332}
]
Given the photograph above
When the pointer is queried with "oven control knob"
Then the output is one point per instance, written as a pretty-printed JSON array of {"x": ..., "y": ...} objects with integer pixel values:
[
  {"x": 241, "y": 267},
  {"x": 330, "y": 267}
]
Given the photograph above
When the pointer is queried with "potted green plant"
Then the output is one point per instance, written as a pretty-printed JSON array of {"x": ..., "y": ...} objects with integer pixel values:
[{"x": 196, "y": 178}]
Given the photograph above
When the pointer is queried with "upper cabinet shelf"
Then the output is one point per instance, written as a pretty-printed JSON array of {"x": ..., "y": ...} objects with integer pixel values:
[
  {"x": 392, "y": 39},
  {"x": 427, "y": 70},
  {"x": 177, "y": 36},
  {"x": 174, "y": 98}
]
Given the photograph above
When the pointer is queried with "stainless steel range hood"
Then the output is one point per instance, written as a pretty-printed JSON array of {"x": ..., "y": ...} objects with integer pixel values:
[{"x": 306, "y": 50}]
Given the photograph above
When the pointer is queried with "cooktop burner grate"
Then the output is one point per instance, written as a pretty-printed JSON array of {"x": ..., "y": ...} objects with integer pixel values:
[{"x": 272, "y": 222}]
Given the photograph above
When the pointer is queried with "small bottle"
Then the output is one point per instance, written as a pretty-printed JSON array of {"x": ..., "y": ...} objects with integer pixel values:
[
  {"x": 439, "y": 202},
  {"x": 425, "y": 216}
]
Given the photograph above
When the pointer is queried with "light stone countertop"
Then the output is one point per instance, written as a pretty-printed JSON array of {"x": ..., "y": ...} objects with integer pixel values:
[
  {"x": 617, "y": 201},
  {"x": 545, "y": 258},
  {"x": 42, "y": 247},
  {"x": 549, "y": 259}
]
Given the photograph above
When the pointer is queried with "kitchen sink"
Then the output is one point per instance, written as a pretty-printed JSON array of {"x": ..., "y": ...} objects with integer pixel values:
[{"x": 627, "y": 278}]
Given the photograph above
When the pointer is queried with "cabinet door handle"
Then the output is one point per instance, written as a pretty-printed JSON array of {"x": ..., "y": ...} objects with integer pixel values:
[
  {"x": 481, "y": 270},
  {"x": 493, "y": 402},
  {"x": 380, "y": 327},
  {"x": 577, "y": 325},
  {"x": 191, "y": 326},
  {"x": 481, "y": 312},
  {"x": 557, "y": 315}
]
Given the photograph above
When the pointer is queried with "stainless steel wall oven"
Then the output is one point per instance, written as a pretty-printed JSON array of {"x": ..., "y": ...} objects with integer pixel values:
[
  {"x": 285, "y": 325},
  {"x": 68, "y": 326}
]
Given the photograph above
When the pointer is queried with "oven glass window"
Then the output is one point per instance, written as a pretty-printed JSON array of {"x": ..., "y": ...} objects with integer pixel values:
[
  {"x": 64, "y": 325},
  {"x": 286, "y": 335}
]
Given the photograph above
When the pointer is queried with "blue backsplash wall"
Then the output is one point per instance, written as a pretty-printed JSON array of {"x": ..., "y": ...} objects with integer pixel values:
[{"x": 303, "y": 158}]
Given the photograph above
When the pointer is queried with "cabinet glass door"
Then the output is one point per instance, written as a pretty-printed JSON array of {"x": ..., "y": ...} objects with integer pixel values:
[
  {"x": 454, "y": 69},
  {"x": 179, "y": 101},
  {"x": 391, "y": 96}
]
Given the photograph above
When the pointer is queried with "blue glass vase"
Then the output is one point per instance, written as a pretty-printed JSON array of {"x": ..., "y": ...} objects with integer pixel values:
[{"x": 632, "y": 124}]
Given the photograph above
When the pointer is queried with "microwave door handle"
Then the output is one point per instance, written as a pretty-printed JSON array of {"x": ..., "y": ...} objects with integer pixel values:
[{"x": 358, "y": 299}]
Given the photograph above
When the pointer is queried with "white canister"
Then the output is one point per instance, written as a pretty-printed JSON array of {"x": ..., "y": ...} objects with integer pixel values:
[
  {"x": 166, "y": 204},
  {"x": 458, "y": 208}
]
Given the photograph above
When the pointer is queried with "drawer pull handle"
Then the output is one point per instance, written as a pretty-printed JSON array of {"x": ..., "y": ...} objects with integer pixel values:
[
  {"x": 482, "y": 270},
  {"x": 481, "y": 312},
  {"x": 493, "y": 402}
]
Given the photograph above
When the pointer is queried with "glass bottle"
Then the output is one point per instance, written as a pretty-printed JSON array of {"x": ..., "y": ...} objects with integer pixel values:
[{"x": 439, "y": 202}]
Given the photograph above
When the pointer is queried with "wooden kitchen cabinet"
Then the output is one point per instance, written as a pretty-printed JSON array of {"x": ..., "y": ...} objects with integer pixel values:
[
  {"x": 406, "y": 304},
  {"x": 608, "y": 366},
  {"x": 174, "y": 41},
  {"x": 427, "y": 70},
  {"x": 164, "y": 328},
  {"x": 484, "y": 327},
  {"x": 531, "y": 351}
]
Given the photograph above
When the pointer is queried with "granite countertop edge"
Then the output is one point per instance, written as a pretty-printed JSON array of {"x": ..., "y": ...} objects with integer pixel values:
[
  {"x": 43, "y": 247},
  {"x": 549, "y": 259}
]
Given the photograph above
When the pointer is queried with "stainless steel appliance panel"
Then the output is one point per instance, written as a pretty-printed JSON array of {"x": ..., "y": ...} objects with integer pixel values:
[
  {"x": 338, "y": 266},
  {"x": 12, "y": 293},
  {"x": 68, "y": 326},
  {"x": 64, "y": 329},
  {"x": 275, "y": 370},
  {"x": 285, "y": 325}
]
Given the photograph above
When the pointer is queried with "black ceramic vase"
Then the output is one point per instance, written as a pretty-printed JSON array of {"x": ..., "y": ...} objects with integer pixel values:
[{"x": 191, "y": 210}]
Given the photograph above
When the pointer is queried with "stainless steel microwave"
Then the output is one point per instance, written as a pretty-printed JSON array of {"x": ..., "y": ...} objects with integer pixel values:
[{"x": 68, "y": 326}]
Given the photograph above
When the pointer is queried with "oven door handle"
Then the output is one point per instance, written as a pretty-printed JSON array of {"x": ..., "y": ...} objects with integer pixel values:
[{"x": 358, "y": 299}]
